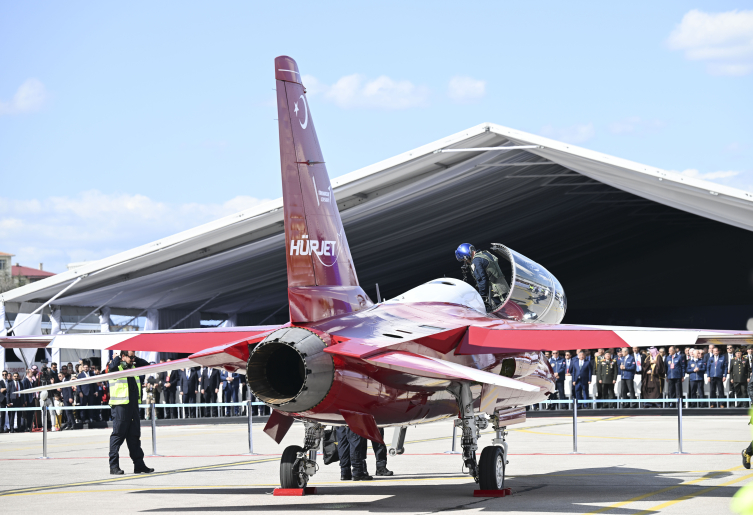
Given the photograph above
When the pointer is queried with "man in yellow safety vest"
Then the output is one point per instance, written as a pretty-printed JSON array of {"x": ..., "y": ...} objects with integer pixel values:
[{"x": 126, "y": 426}]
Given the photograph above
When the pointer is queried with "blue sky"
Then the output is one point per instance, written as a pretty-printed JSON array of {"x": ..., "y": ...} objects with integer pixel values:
[{"x": 121, "y": 123}]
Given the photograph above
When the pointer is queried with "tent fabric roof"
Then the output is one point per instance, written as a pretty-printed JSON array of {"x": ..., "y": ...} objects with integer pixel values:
[{"x": 423, "y": 201}]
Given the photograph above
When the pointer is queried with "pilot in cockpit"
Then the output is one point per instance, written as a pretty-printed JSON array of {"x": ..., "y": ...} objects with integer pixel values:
[{"x": 490, "y": 281}]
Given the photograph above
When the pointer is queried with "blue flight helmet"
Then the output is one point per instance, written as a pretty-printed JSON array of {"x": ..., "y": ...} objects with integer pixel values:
[{"x": 464, "y": 252}]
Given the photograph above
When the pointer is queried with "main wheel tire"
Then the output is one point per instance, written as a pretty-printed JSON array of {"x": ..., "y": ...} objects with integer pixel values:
[
  {"x": 492, "y": 469},
  {"x": 290, "y": 475}
]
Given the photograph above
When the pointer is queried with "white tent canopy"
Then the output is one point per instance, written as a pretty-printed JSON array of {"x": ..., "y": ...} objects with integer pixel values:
[{"x": 550, "y": 198}]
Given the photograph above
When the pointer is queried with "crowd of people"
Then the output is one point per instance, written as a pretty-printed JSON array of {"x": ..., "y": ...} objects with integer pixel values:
[
  {"x": 627, "y": 373},
  {"x": 198, "y": 385},
  {"x": 653, "y": 373}
]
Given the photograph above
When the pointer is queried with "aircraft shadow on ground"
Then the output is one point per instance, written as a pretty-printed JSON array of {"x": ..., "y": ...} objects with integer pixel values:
[{"x": 568, "y": 491}]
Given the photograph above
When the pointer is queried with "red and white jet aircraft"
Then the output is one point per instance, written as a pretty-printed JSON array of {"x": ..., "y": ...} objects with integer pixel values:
[{"x": 432, "y": 353}]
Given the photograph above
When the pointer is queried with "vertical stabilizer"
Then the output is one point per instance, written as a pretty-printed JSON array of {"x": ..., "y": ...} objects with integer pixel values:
[{"x": 322, "y": 280}]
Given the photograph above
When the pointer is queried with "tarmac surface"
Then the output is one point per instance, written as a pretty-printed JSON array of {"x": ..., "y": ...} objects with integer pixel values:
[{"x": 627, "y": 466}]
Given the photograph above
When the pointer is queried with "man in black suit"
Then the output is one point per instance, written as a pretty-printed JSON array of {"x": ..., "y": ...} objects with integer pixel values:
[
  {"x": 210, "y": 384},
  {"x": 189, "y": 387},
  {"x": 66, "y": 394},
  {"x": 86, "y": 393},
  {"x": 3, "y": 399},
  {"x": 16, "y": 400},
  {"x": 30, "y": 381},
  {"x": 171, "y": 380}
]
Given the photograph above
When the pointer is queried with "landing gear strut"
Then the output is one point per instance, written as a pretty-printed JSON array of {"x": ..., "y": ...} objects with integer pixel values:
[
  {"x": 298, "y": 464},
  {"x": 489, "y": 472},
  {"x": 470, "y": 425}
]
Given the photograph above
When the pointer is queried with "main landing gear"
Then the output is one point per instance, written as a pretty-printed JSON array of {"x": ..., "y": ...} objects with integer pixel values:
[
  {"x": 489, "y": 472},
  {"x": 298, "y": 464}
]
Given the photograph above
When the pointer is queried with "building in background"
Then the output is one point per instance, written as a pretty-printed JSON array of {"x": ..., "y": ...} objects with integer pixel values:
[
  {"x": 6, "y": 279},
  {"x": 23, "y": 275}
]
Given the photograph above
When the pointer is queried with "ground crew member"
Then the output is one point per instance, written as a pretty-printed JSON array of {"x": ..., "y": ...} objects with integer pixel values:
[
  {"x": 126, "y": 425},
  {"x": 560, "y": 370},
  {"x": 739, "y": 372},
  {"x": 352, "y": 450},
  {"x": 380, "y": 453},
  {"x": 606, "y": 375},
  {"x": 490, "y": 281}
]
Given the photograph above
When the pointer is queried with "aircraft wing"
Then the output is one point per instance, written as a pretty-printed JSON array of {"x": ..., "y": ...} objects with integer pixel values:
[
  {"x": 232, "y": 357},
  {"x": 181, "y": 340},
  {"x": 435, "y": 368},
  {"x": 516, "y": 337},
  {"x": 130, "y": 372}
]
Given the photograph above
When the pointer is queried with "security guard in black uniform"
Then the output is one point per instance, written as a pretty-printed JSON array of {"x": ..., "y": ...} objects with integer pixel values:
[{"x": 126, "y": 426}]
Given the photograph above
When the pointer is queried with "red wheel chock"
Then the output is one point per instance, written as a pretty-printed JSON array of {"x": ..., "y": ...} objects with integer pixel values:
[
  {"x": 295, "y": 492},
  {"x": 492, "y": 493}
]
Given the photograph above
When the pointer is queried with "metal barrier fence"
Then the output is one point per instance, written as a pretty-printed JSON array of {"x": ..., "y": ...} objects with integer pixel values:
[
  {"x": 248, "y": 405},
  {"x": 642, "y": 402},
  {"x": 152, "y": 406},
  {"x": 679, "y": 402}
]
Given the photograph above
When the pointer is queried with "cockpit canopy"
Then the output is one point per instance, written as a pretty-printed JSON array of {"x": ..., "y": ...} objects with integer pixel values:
[{"x": 536, "y": 296}]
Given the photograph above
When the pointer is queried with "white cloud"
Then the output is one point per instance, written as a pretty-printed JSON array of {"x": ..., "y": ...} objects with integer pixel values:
[
  {"x": 573, "y": 134},
  {"x": 381, "y": 93},
  {"x": 634, "y": 125},
  {"x": 30, "y": 96},
  {"x": 710, "y": 176},
  {"x": 466, "y": 89},
  {"x": 724, "y": 41},
  {"x": 93, "y": 225}
]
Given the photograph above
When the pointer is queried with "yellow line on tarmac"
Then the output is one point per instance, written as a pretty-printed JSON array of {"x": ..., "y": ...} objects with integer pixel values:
[
  {"x": 661, "y": 506},
  {"x": 669, "y": 488},
  {"x": 126, "y": 478}
]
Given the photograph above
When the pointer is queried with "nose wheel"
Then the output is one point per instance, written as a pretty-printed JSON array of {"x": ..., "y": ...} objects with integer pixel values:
[
  {"x": 492, "y": 468},
  {"x": 298, "y": 464},
  {"x": 292, "y": 468}
]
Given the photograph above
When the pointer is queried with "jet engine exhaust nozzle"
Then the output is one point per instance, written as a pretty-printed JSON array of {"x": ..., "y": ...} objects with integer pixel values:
[{"x": 290, "y": 371}]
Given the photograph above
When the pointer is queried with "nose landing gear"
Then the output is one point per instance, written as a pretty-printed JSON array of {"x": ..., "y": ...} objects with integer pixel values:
[
  {"x": 298, "y": 464},
  {"x": 489, "y": 472}
]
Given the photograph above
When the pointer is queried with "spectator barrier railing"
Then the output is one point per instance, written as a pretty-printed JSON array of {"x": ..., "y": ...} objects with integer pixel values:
[
  {"x": 574, "y": 410},
  {"x": 248, "y": 405},
  {"x": 45, "y": 413}
]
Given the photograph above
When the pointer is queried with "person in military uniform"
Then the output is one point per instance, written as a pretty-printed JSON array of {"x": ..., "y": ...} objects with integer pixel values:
[
  {"x": 559, "y": 368},
  {"x": 490, "y": 281},
  {"x": 126, "y": 425},
  {"x": 606, "y": 375},
  {"x": 739, "y": 373},
  {"x": 150, "y": 395}
]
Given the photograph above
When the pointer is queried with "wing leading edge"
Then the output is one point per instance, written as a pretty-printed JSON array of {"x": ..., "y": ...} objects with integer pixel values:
[{"x": 183, "y": 340}]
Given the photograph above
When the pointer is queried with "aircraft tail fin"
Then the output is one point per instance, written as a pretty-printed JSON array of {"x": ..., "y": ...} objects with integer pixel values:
[{"x": 322, "y": 279}]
